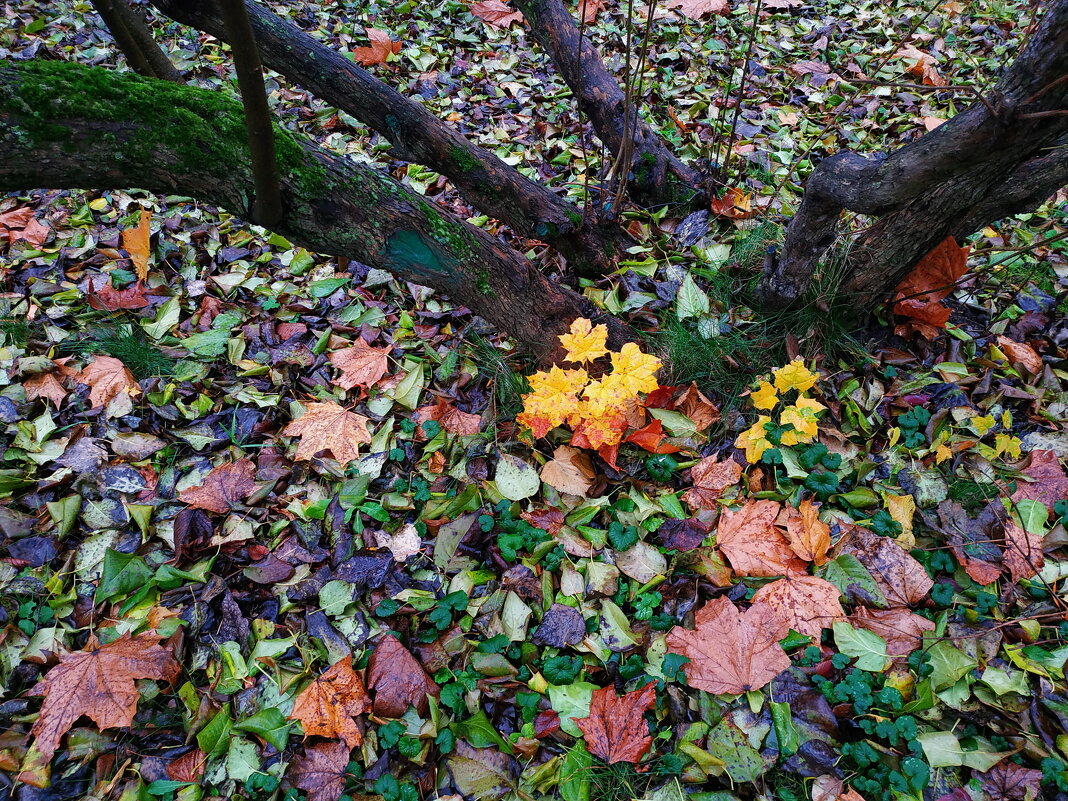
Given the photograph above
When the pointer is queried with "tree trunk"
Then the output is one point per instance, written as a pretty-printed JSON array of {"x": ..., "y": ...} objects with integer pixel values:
[
  {"x": 65, "y": 125},
  {"x": 135, "y": 40},
  {"x": 486, "y": 182},
  {"x": 657, "y": 175},
  {"x": 1000, "y": 156}
]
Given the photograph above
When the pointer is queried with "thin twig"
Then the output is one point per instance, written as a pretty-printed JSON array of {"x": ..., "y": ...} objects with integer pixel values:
[{"x": 741, "y": 94}]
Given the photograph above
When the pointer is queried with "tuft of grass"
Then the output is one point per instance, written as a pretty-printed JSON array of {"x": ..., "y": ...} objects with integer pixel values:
[
  {"x": 15, "y": 332},
  {"x": 971, "y": 495},
  {"x": 128, "y": 344},
  {"x": 620, "y": 781},
  {"x": 509, "y": 385}
]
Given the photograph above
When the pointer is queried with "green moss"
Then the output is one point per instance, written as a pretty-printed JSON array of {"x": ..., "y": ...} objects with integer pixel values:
[
  {"x": 463, "y": 159},
  {"x": 449, "y": 234},
  {"x": 482, "y": 282}
]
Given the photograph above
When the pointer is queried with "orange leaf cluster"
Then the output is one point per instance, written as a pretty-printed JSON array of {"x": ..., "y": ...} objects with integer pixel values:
[{"x": 918, "y": 297}]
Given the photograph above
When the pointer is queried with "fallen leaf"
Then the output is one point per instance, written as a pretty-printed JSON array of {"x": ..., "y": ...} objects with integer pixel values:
[
  {"x": 360, "y": 366},
  {"x": 697, "y": 407},
  {"x": 803, "y": 603},
  {"x": 20, "y": 224},
  {"x": 831, "y": 788},
  {"x": 380, "y": 49},
  {"x": 398, "y": 680},
  {"x": 919, "y": 294},
  {"x": 924, "y": 68},
  {"x": 329, "y": 705},
  {"x": 682, "y": 535},
  {"x": 1008, "y": 781},
  {"x": 588, "y": 10},
  {"x": 551, "y": 520},
  {"x": 452, "y": 419},
  {"x": 223, "y": 488},
  {"x": 735, "y": 203},
  {"x": 710, "y": 478},
  {"x": 320, "y": 771},
  {"x": 616, "y": 729},
  {"x": 107, "y": 377},
  {"x": 560, "y": 627},
  {"x": 902, "y": 509},
  {"x": 650, "y": 437},
  {"x": 695, "y": 9},
  {"x": 189, "y": 767},
  {"x": 137, "y": 242},
  {"x": 402, "y": 544},
  {"x": 1049, "y": 482},
  {"x": 901, "y": 578},
  {"x": 569, "y": 471},
  {"x": 99, "y": 683},
  {"x": 45, "y": 385},
  {"x": 730, "y": 651},
  {"x": 972, "y": 539},
  {"x": 902, "y": 630},
  {"x": 107, "y": 298},
  {"x": 496, "y": 13},
  {"x": 329, "y": 427},
  {"x": 752, "y": 543},
  {"x": 1023, "y": 551},
  {"x": 1021, "y": 354},
  {"x": 809, "y": 537}
]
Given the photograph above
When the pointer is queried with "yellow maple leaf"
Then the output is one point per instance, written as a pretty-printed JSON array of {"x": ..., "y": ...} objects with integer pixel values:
[
  {"x": 755, "y": 440},
  {"x": 1007, "y": 445},
  {"x": 586, "y": 341},
  {"x": 554, "y": 397},
  {"x": 609, "y": 394},
  {"x": 765, "y": 396},
  {"x": 636, "y": 371},
  {"x": 803, "y": 417},
  {"x": 982, "y": 423},
  {"x": 603, "y": 429},
  {"x": 794, "y": 376}
]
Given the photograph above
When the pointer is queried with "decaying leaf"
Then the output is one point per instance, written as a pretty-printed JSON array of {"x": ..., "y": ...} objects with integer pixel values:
[
  {"x": 902, "y": 630},
  {"x": 1008, "y": 781},
  {"x": 496, "y": 13},
  {"x": 1023, "y": 551},
  {"x": 320, "y": 771},
  {"x": 99, "y": 683},
  {"x": 695, "y": 9},
  {"x": 45, "y": 385},
  {"x": 136, "y": 242},
  {"x": 697, "y": 407},
  {"x": 1049, "y": 482},
  {"x": 809, "y": 537},
  {"x": 711, "y": 477},
  {"x": 452, "y": 419},
  {"x": 901, "y": 578},
  {"x": 616, "y": 729},
  {"x": 753, "y": 544},
  {"x": 329, "y": 705},
  {"x": 806, "y": 604},
  {"x": 223, "y": 488},
  {"x": 329, "y": 427},
  {"x": 831, "y": 788},
  {"x": 107, "y": 378},
  {"x": 919, "y": 295},
  {"x": 379, "y": 50},
  {"x": 107, "y": 298},
  {"x": 20, "y": 224},
  {"x": 1022, "y": 354},
  {"x": 730, "y": 651},
  {"x": 569, "y": 471},
  {"x": 361, "y": 365},
  {"x": 398, "y": 680}
]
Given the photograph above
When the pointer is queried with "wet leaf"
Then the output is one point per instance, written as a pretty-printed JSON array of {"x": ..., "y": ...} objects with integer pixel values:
[
  {"x": 380, "y": 49},
  {"x": 107, "y": 378},
  {"x": 329, "y": 427},
  {"x": 710, "y": 478},
  {"x": 223, "y": 489},
  {"x": 136, "y": 242},
  {"x": 496, "y": 13},
  {"x": 753, "y": 544},
  {"x": 806, "y": 604},
  {"x": 616, "y": 729},
  {"x": 810, "y": 537},
  {"x": 398, "y": 680},
  {"x": 329, "y": 705},
  {"x": 320, "y": 771},
  {"x": 361, "y": 365}
]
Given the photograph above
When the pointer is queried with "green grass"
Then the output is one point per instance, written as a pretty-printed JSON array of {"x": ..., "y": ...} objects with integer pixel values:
[
  {"x": 509, "y": 384},
  {"x": 617, "y": 782},
  {"x": 15, "y": 332},
  {"x": 128, "y": 344}
]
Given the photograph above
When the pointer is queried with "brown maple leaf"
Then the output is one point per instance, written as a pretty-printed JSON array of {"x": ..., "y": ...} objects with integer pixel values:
[
  {"x": 329, "y": 427},
  {"x": 398, "y": 680},
  {"x": 695, "y": 9},
  {"x": 495, "y": 13},
  {"x": 919, "y": 295},
  {"x": 21, "y": 224},
  {"x": 1048, "y": 484},
  {"x": 803, "y": 603},
  {"x": 616, "y": 730},
  {"x": 1022, "y": 354},
  {"x": 45, "y": 385},
  {"x": 107, "y": 298},
  {"x": 136, "y": 242},
  {"x": 901, "y": 578},
  {"x": 223, "y": 488},
  {"x": 321, "y": 771},
  {"x": 189, "y": 767},
  {"x": 106, "y": 378},
  {"x": 329, "y": 705},
  {"x": 697, "y": 407},
  {"x": 1008, "y": 781},
  {"x": 753, "y": 544},
  {"x": 361, "y": 365},
  {"x": 902, "y": 630},
  {"x": 452, "y": 419},
  {"x": 924, "y": 68},
  {"x": 809, "y": 537},
  {"x": 99, "y": 683},
  {"x": 710, "y": 478},
  {"x": 569, "y": 471},
  {"x": 1023, "y": 551},
  {"x": 730, "y": 651},
  {"x": 380, "y": 49}
]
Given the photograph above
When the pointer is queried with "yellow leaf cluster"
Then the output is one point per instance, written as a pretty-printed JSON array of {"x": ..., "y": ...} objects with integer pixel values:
[
  {"x": 597, "y": 407},
  {"x": 800, "y": 419}
]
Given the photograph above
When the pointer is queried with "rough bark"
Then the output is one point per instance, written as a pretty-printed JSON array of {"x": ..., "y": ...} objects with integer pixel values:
[
  {"x": 658, "y": 176},
  {"x": 259, "y": 122},
  {"x": 135, "y": 40},
  {"x": 950, "y": 181},
  {"x": 484, "y": 180},
  {"x": 65, "y": 125}
]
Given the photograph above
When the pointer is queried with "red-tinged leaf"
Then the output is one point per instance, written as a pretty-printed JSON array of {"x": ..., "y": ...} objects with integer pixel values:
[
  {"x": 753, "y": 544},
  {"x": 1008, "y": 781},
  {"x": 380, "y": 49},
  {"x": 329, "y": 705},
  {"x": 710, "y": 478},
  {"x": 697, "y": 407},
  {"x": 660, "y": 398},
  {"x": 902, "y": 630},
  {"x": 651, "y": 438},
  {"x": 189, "y": 767},
  {"x": 918, "y": 296},
  {"x": 20, "y": 224},
  {"x": 320, "y": 771},
  {"x": 110, "y": 299},
  {"x": 550, "y": 520},
  {"x": 398, "y": 680},
  {"x": 496, "y": 13},
  {"x": 682, "y": 535},
  {"x": 223, "y": 488},
  {"x": 609, "y": 453},
  {"x": 1049, "y": 482},
  {"x": 735, "y": 203},
  {"x": 452, "y": 419},
  {"x": 616, "y": 729},
  {"x": 1023, "y": 551}
]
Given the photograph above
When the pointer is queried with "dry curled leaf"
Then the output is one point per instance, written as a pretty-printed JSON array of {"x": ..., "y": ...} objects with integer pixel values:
[
  {"x": 809, "y": 537},
  {"x": 137, "y": 242},
  {"x": 1022, "y": 354},
  {"x": 360, "y": 366},
  {"x": 616, "y": 730},
  {"x": 753, "y": 544},
  {"x": 45, "y": 385},
  {"x": 901, "y": 578},
  {"x": 730, "y": 651},
  {"x": 99, "y": 683},
  {"x": 569, "y": 471},
  {"x": 398, "y": 680},
  {"x": 803, "y": 603},
  {"x": 695, "y": 9},
  {"x": 710, "y": 478},
  {"x": 320, "y": 771},
  {"x": 223, "y": 488},
  {"x": 697, "y": 407},
  {"x": 329, "y": 705},
  {"x": 329, "y": 427},
  {"x": 380, "y": 49},
  {"x": 496, "y": 13},
  {"x": 107, "y": 378},
  {"x": 902, "y": 630}
]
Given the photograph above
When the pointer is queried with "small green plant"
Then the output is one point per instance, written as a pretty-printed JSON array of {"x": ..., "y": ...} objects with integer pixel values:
[{"x": 128, "y": 344}]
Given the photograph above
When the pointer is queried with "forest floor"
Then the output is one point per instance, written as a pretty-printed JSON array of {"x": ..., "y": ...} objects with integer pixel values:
[{"x": 270, "y": 527}]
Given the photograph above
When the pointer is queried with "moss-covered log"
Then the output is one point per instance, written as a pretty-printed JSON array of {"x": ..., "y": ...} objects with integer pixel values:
[
  {"x": 66, "y": 125},
  {"x": 486, "y": 182}
]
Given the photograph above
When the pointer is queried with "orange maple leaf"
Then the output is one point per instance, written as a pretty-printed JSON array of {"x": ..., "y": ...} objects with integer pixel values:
[
  {"x": 810, "y": 537},
  {"x": 329, "y": 427},
  {"x": 919, "y": 295},
  {"x": 615, "y": 729},
  {"x": 107, "y": 378},
  {"x": 361, "y": 365},
  {"x": 381, "y": 48},
  {"x": 329, "y": 705},
  {"x": 750, "y": 540}
]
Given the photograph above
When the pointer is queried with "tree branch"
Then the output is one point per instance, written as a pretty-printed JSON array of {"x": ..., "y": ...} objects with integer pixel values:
[
  {"x": 65, "y": 125},
  {"x": 486, "y": 182},
  {"x": 135, "y": 40}
]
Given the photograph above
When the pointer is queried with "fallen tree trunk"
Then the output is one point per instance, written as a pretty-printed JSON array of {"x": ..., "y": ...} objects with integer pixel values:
[
  {"x": 657, "y": 175},
  {"x": 486, "y": 182},
  {"x": 65, "y": 125},
  {"x": 1000, "y": 156}
]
